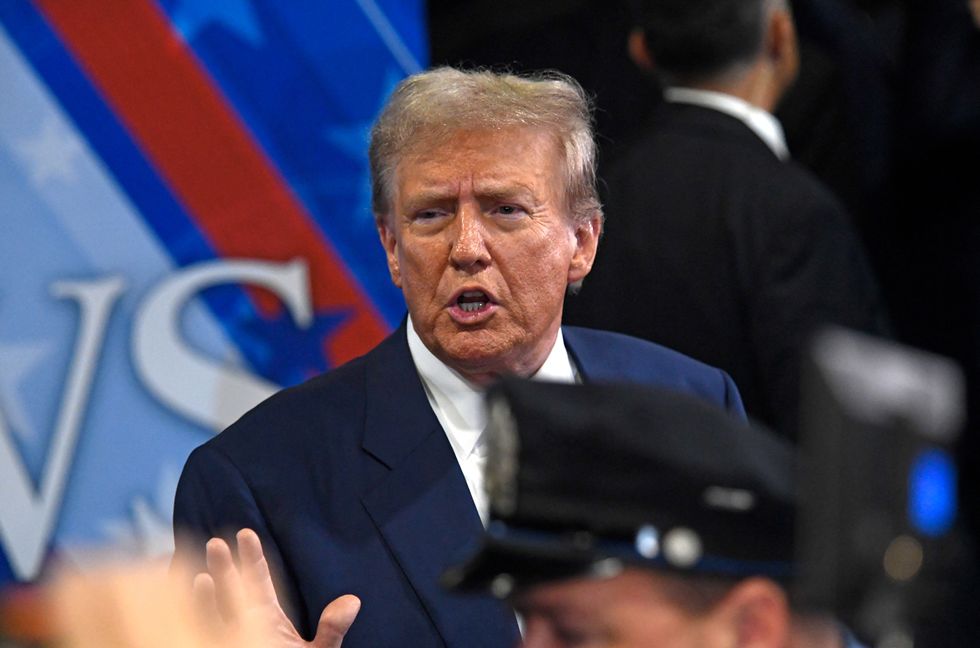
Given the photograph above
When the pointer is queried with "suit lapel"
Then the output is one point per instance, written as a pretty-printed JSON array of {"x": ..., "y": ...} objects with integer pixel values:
[{"x": 422, "y": 507}]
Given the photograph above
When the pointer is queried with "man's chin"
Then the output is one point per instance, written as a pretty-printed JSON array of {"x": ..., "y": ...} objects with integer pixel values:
[{"x": 476, "y": 352}]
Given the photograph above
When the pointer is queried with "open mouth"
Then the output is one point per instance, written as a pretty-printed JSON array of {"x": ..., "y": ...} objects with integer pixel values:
[{"x": 472, "y": 301}]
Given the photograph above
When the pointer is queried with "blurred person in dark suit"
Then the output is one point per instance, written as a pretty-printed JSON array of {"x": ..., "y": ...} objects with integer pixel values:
[
  {"x": 718, "y": 244},
  {"x": 663, "y": 523}
]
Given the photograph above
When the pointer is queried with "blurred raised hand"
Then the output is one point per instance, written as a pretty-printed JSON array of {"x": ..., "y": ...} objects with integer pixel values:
[
  {"x": 230, "y": 594},
  {"x": 143, "y": 605}
]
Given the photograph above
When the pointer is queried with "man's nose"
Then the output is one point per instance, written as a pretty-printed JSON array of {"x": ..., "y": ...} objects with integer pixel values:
[{"x": 470, "y": 246}]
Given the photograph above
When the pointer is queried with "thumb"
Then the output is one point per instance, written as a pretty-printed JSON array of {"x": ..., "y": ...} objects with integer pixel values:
[{"x": 336, "y": 620}]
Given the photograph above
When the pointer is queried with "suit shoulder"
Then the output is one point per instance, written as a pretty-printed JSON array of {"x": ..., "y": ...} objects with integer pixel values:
[
  {"x": 808, "y": 186},
  {"x": 290, "y": 415},
  {"x": 797, "y": 205},
  {"x": 693, "y": 132},
  {"x": 605, "y": 356},
  {"x": 632, "y": 350}
]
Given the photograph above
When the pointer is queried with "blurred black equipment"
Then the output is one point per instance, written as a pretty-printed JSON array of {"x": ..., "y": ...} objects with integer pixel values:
[{"x": 877, "y": 537}]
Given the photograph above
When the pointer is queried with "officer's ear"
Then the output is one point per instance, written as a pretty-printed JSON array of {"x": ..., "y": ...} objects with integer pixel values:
[{"x": 757, "y": 613}]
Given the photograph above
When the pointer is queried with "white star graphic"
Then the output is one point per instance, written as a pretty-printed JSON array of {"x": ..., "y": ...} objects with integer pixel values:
[
  {"x": 17, "y": 361},
  {"x": 190, "y": 17},
  {"x": 147, "y": 532},
  {"x": 352, "y": 137},
  {"x": 51, "y": 153},
  {"x": 153, "y": 530}
]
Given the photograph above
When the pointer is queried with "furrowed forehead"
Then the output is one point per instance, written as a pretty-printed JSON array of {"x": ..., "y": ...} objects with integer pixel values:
[
  {"x": 525, "y": 163},
  {"x": 502, "y": 156},
  {"x": 490, "y": 188}
]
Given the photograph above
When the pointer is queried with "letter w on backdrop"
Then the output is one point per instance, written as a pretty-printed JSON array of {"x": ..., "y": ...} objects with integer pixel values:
[{"x": 185, "y": 227}]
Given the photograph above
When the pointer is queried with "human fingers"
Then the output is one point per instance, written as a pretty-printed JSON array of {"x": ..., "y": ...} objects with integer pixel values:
[
  {"x": 335, "y": 621},
  {"x": 204, "y": 594},
  {"x": 228, "y": 587},
  {"x": 255, "y": 568},
  {"x": 206, "y": 604}
]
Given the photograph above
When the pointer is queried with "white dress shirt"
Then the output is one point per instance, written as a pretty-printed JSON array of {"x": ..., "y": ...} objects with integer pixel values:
[
  {"x": 762, "y": 123},
  {"x": 458, "y": 404}
]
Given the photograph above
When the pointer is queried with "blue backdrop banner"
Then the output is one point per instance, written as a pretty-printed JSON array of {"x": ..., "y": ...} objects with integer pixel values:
[{"x": 185, "y": 227}]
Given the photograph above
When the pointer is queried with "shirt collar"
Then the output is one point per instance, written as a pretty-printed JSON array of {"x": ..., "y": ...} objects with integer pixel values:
[
  {"x": 460, "y": 400},
  {"x": 762, "y": 123}
]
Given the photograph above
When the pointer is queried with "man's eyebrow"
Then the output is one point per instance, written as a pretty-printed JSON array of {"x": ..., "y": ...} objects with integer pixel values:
[
  {"x": 505, "y": 191},
  {"x": 432, "y": 196}
]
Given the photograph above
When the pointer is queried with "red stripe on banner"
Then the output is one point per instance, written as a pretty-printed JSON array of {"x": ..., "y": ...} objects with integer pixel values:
[{"x": 201, "y": 148}]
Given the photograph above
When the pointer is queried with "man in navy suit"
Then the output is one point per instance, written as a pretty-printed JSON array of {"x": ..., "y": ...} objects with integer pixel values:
[{"x": 368, "y": 480}]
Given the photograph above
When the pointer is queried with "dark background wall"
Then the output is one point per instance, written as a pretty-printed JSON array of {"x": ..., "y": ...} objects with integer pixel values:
[{"x": 886, "y": 112}]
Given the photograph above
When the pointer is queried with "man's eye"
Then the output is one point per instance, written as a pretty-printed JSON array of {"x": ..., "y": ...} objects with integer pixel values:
[
  {"x": 428, "y": 214},
  {"x": 509, "y": 210}
]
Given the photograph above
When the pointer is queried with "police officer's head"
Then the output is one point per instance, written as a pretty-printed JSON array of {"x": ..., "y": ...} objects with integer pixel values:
[{"x": 624, "y": 516}]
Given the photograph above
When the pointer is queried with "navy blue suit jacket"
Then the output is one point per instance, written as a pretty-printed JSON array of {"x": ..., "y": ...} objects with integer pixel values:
[{"x": 353, "y": 487}]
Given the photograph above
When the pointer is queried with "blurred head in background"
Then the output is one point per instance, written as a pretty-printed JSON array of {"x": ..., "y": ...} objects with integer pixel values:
[{"x": 747, "y": 48}]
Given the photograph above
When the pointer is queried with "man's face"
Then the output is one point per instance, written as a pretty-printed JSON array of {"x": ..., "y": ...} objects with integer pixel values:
[
  {"x": 631, "y": 610},
  {"x": 482, "y": 244}
]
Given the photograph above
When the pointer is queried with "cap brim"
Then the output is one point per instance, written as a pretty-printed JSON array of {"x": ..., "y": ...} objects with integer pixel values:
[
  {"x": 514, "y": 557},
  {"x": 501, "y": 565}
]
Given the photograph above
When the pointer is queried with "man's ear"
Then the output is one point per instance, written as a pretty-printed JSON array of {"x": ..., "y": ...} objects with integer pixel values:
[
  {"x": 757, "y": 613},
  {"x": 390, "y": 243},
  {"x": 587, "y": 233},
  {"x": 782, "y": 47},
  {"x": 636, "y": 45}
]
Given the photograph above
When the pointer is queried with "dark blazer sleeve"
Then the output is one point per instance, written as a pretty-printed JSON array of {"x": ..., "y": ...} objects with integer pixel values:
[{"x": 214, "y": 500}]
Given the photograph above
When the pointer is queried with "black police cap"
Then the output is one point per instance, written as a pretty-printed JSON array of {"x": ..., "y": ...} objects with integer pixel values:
[{"x": 587, "y": 478}]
